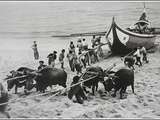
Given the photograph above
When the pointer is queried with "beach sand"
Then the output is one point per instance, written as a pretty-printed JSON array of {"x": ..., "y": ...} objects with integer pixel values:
[{"x": 145, "y": 103}]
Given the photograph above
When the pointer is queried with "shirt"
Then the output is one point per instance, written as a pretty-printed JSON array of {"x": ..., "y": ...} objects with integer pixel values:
[
  {"x": 143, "y": 50},
  {"x": 137, "y": 53},
  {"x": 61, "y": 56}
]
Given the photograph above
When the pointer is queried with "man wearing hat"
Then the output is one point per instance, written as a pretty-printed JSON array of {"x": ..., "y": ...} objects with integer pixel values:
[
  {"x": 51, "y": 58},
  {"x": 41, "y": 65}
]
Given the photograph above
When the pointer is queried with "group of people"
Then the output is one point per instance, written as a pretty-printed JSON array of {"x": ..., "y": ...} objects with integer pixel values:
[
  {"x": 78, "y": 58},
  {"x": 79, "y": 55},
  {"x": 141, "y": 55}
]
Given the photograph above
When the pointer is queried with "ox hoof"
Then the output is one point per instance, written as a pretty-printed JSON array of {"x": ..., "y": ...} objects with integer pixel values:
[{"x": 113, "y": 95}]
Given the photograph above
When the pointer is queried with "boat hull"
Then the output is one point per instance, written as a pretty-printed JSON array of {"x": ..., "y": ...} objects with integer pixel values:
[{"x": 122, "y": 41}]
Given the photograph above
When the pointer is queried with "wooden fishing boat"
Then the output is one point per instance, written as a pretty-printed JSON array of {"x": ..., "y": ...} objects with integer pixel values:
[{"x": 123, "y": 41}]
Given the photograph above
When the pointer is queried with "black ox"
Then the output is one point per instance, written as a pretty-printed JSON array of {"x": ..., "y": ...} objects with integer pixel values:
[
  {"x": 97, "y": 75},
  {"x": 22, "y": 77},
  {"x": 119, "y": 81},
  {"x": 3, "y": 99},
  {"x": 50, "y": 76}
]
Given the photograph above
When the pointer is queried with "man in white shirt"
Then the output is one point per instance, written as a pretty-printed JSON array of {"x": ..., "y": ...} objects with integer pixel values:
[
  {"x": 137, "y": 54},
  {"x": 144, "y": 52}
]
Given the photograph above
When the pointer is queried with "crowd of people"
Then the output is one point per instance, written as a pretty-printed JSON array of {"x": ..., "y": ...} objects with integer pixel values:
[{"x": 79, "y": 55}]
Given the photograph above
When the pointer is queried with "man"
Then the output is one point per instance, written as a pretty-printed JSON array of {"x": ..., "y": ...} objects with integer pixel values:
[
  {"x": 61, "y": 58},
  {"x": 144, "y": 53},
  {"x": 77, "y": 91},
  {"x": 93, "y": 41},
  {"x": 35, "y": 50},
  {"x": 72, "y": 47},
  {"x": 85, "y": 45},
  {"x": 41, "y": 65},
  {"x": 137, "y": 54},
  {"x": 79, "y": 44},
  {"x": 70, "y": 57},
  {"x": 51, "y": 58},
  {"x": 78, "y": 65}
]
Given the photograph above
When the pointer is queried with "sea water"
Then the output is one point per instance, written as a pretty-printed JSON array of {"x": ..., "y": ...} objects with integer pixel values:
[{"x": 21, "y": 23}]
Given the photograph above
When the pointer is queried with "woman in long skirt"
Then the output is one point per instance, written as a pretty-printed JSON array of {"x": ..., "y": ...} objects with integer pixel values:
[{"x": 35, "y": 50}]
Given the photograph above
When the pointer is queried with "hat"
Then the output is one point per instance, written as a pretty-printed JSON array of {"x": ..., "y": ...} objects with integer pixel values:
[
  {"x": 41, "y": 61},
  {"x": 76, "y": 78},
  {"x": 63, "y": 50},
  {"x": 54, "y": 51}
]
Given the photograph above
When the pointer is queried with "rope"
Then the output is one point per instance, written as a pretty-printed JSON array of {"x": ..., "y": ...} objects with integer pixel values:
[
  {"x": 16, "y": 78},
  {"x": 59, "y": 92},
  {"x": 47, "y": 92}
]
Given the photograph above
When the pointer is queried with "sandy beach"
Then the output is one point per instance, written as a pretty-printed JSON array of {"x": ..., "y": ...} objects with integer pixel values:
[
  {"x": 25, "y": 22},
  {"x": 145, "y": 103}
]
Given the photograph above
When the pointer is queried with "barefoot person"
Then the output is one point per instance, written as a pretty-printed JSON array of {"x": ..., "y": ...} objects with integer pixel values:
[
  {"x": 35, "y": 50},
  {"x": 137, "y": 54},
  {"x": 144, "y": 53},
  {"x": 51, "y": 58},
  {"x": 41, "y": 65},
  {"x": 61, "y": 58},
  {"x": 77, "y": 91},
  {"x": 70, "y": 57}
]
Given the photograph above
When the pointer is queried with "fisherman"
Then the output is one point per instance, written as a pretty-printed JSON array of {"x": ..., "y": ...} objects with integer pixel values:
[
  {"x": 143, "y": 51},
  {"x": 41, "y": 65},
  {"x": 72, "y": 47},
  {"x": 77, "y": 91},
  {"x": 137, "y": 54},
  {"x": 51, "y": 58},
  {"x": 70, "y": 57},
  {"x": 78, "y": 65},
  {"x": 85, "y": 44},
  {"x": 83, "y": 59},
  {"x": 61, "y": 58},
  {"x": 93, "y": 41},
  {"x": 35, "y": 50},
  {"x": 79, "y": 44}
]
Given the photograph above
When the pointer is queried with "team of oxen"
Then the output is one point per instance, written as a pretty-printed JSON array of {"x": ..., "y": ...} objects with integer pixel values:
[
  {"x": 29, "y": 79},
  {"x": 53, "y": 76}
]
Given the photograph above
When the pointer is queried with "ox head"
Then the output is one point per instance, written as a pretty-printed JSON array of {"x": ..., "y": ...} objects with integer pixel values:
[
  {"x": 110, "y": 82},
  {"x": 10, "y": 84},
  {"x": 64, "y": 85}
]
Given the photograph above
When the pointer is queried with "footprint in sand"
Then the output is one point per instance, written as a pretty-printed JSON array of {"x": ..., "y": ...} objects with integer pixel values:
[
  {"x": 145, "y": 104},
  {"x": 135, "y": 106},
  {"x": 24, "y": 103},
  {"x": 98, "y": 114},
  {"x": 59, "y": 112},
  {"x": 157, "y": 95},
  {"x": 113, "y": 111},
  {"x": 67, "y": 105},
  {"x": 37, "y": 100},
  {"x": 117, "y": 116},
  {"x": 150, "y": 100},
  {"x": 85, "y": 115}
]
